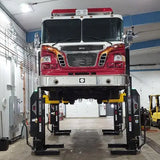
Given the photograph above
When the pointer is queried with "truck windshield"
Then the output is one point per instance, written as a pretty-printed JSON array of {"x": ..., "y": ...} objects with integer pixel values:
[
  {"x": 89, "y": 30},
  {"x": 62, "y": 30},
  {"x": 102, "y": 29}
]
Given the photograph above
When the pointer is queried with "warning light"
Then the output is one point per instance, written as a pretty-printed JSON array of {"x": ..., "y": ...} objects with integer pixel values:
[
  {"x": 63, "y": 11},
  {"x": 103, "y": 10},
  {"x": 129, "y": 118},
  {"x": 40, "y": 119},
  {"x": 34, "y": 108}
]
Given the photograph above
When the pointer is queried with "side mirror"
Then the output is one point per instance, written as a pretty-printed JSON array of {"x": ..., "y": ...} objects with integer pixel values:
[
  {"x": 36, "y": 40},
  {"x": 128, "y": 38}
]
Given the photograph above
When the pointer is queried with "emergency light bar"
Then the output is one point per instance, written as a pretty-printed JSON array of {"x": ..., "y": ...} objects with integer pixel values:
[
  {"x": 63, "y": 11},
  {"x": 81, "y": 12}
]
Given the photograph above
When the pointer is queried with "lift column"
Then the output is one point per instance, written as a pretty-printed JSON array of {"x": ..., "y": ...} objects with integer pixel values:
[
  {"x": 54, "y": 121},
  {"x": 133, "y": 128},
  {"x": 37, "y": 130},
  {"x": 118, "y": 117},
  {"x": 37, "y": 126},
  {"x": 117, "y": 121}
]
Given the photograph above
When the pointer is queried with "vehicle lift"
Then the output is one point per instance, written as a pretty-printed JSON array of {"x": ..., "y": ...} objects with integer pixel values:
[
  {"x": 37, "y": 125},
  {"x": 133, "y": 119},
  {"x": 133, "y": 125},
  {"x": 118, "y": 116},
  {"x": 53, "y": 118}
]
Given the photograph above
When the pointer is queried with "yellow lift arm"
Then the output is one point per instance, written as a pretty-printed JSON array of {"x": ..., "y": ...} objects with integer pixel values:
[{"x": 120, "y": 100}]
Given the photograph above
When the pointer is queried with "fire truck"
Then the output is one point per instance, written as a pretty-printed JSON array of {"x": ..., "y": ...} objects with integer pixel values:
[{"x": 83, "y": 54}]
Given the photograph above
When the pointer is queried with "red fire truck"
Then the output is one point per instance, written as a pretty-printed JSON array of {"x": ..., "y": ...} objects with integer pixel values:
[{"x": 83, "y": 54}]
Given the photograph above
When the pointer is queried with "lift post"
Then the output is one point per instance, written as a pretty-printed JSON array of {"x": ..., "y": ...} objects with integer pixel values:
[
  {"x": 54, "y": 121},
  {"x": 53, "y": 118},
  {"x": 118, "y": 120},
  {"x": 133, "y": 127},
  {"x": 37, "y": 128}
]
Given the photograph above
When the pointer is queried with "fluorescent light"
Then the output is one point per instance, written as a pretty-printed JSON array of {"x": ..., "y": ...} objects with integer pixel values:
[{"x": 25, "y": 8}]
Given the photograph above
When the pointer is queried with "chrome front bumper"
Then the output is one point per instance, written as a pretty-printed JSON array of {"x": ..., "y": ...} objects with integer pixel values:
[{"x": 83, "y": 80}]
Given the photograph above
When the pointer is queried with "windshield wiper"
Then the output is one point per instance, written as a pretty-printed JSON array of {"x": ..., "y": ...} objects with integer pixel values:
[
  {"x": 64, "y": 40},
  {"x": 99, "y": 39}
]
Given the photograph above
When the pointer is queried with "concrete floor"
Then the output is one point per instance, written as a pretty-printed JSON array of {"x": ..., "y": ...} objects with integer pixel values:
[{"x": 85, "y": 143}]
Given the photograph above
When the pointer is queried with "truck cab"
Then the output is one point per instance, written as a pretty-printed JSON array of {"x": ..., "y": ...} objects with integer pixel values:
[{"x": 83, "y": 54}]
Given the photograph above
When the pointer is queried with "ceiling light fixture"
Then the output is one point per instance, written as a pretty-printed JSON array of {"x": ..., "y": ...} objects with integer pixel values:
[
  {"x": 35, "y": 3},
  {"x": 25, "y": 8}
]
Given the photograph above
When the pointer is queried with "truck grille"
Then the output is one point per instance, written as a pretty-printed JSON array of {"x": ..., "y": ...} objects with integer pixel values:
[
  {"x": 82, "y": 59},
  {"x": 82, "y": 48}
]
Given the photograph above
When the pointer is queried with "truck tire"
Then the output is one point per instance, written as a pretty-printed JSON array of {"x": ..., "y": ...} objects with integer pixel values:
[
  {"x": 158, "y": 124},
  {"x": 99, "y": 101},
  {"x": 71, "y": 101}
]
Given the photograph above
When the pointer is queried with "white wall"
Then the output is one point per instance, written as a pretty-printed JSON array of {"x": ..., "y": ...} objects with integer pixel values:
[
  {"x": 85, "y": 108},
  {"x": 147, "y": 83},
  {"x": 4, "y": 80},
  {"x": 146, "y": 78},
  {"x": 12, "y": 53}
]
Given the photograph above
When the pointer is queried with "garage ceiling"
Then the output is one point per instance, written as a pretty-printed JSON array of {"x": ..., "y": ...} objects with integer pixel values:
[
  {"x": 147, "y": 32},
  {"x": 42, "y": 8}
]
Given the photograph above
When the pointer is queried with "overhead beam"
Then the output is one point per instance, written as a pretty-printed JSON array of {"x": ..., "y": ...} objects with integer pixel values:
[
  {"x": 145, "y": 44},
  {"x": 140, "y": 19}
]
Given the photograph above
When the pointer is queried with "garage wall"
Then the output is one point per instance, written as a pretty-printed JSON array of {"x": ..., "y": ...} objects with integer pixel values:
[
  {"x": 17, "y": 72},
  {"x": 4, "y": 80},
  {"x": 83, "y": 108},
  {"x": 147, "y": 83},
  {"x": 145, "y": 72}
]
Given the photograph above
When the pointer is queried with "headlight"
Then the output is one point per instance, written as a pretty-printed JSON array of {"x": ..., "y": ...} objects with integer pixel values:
[
  {"x": 46, "y": 59},
  {"x": 118, "y": 58}
]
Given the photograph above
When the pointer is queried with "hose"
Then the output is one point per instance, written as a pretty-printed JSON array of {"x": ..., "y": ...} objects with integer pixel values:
[{"x": 24, "y": 125}]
